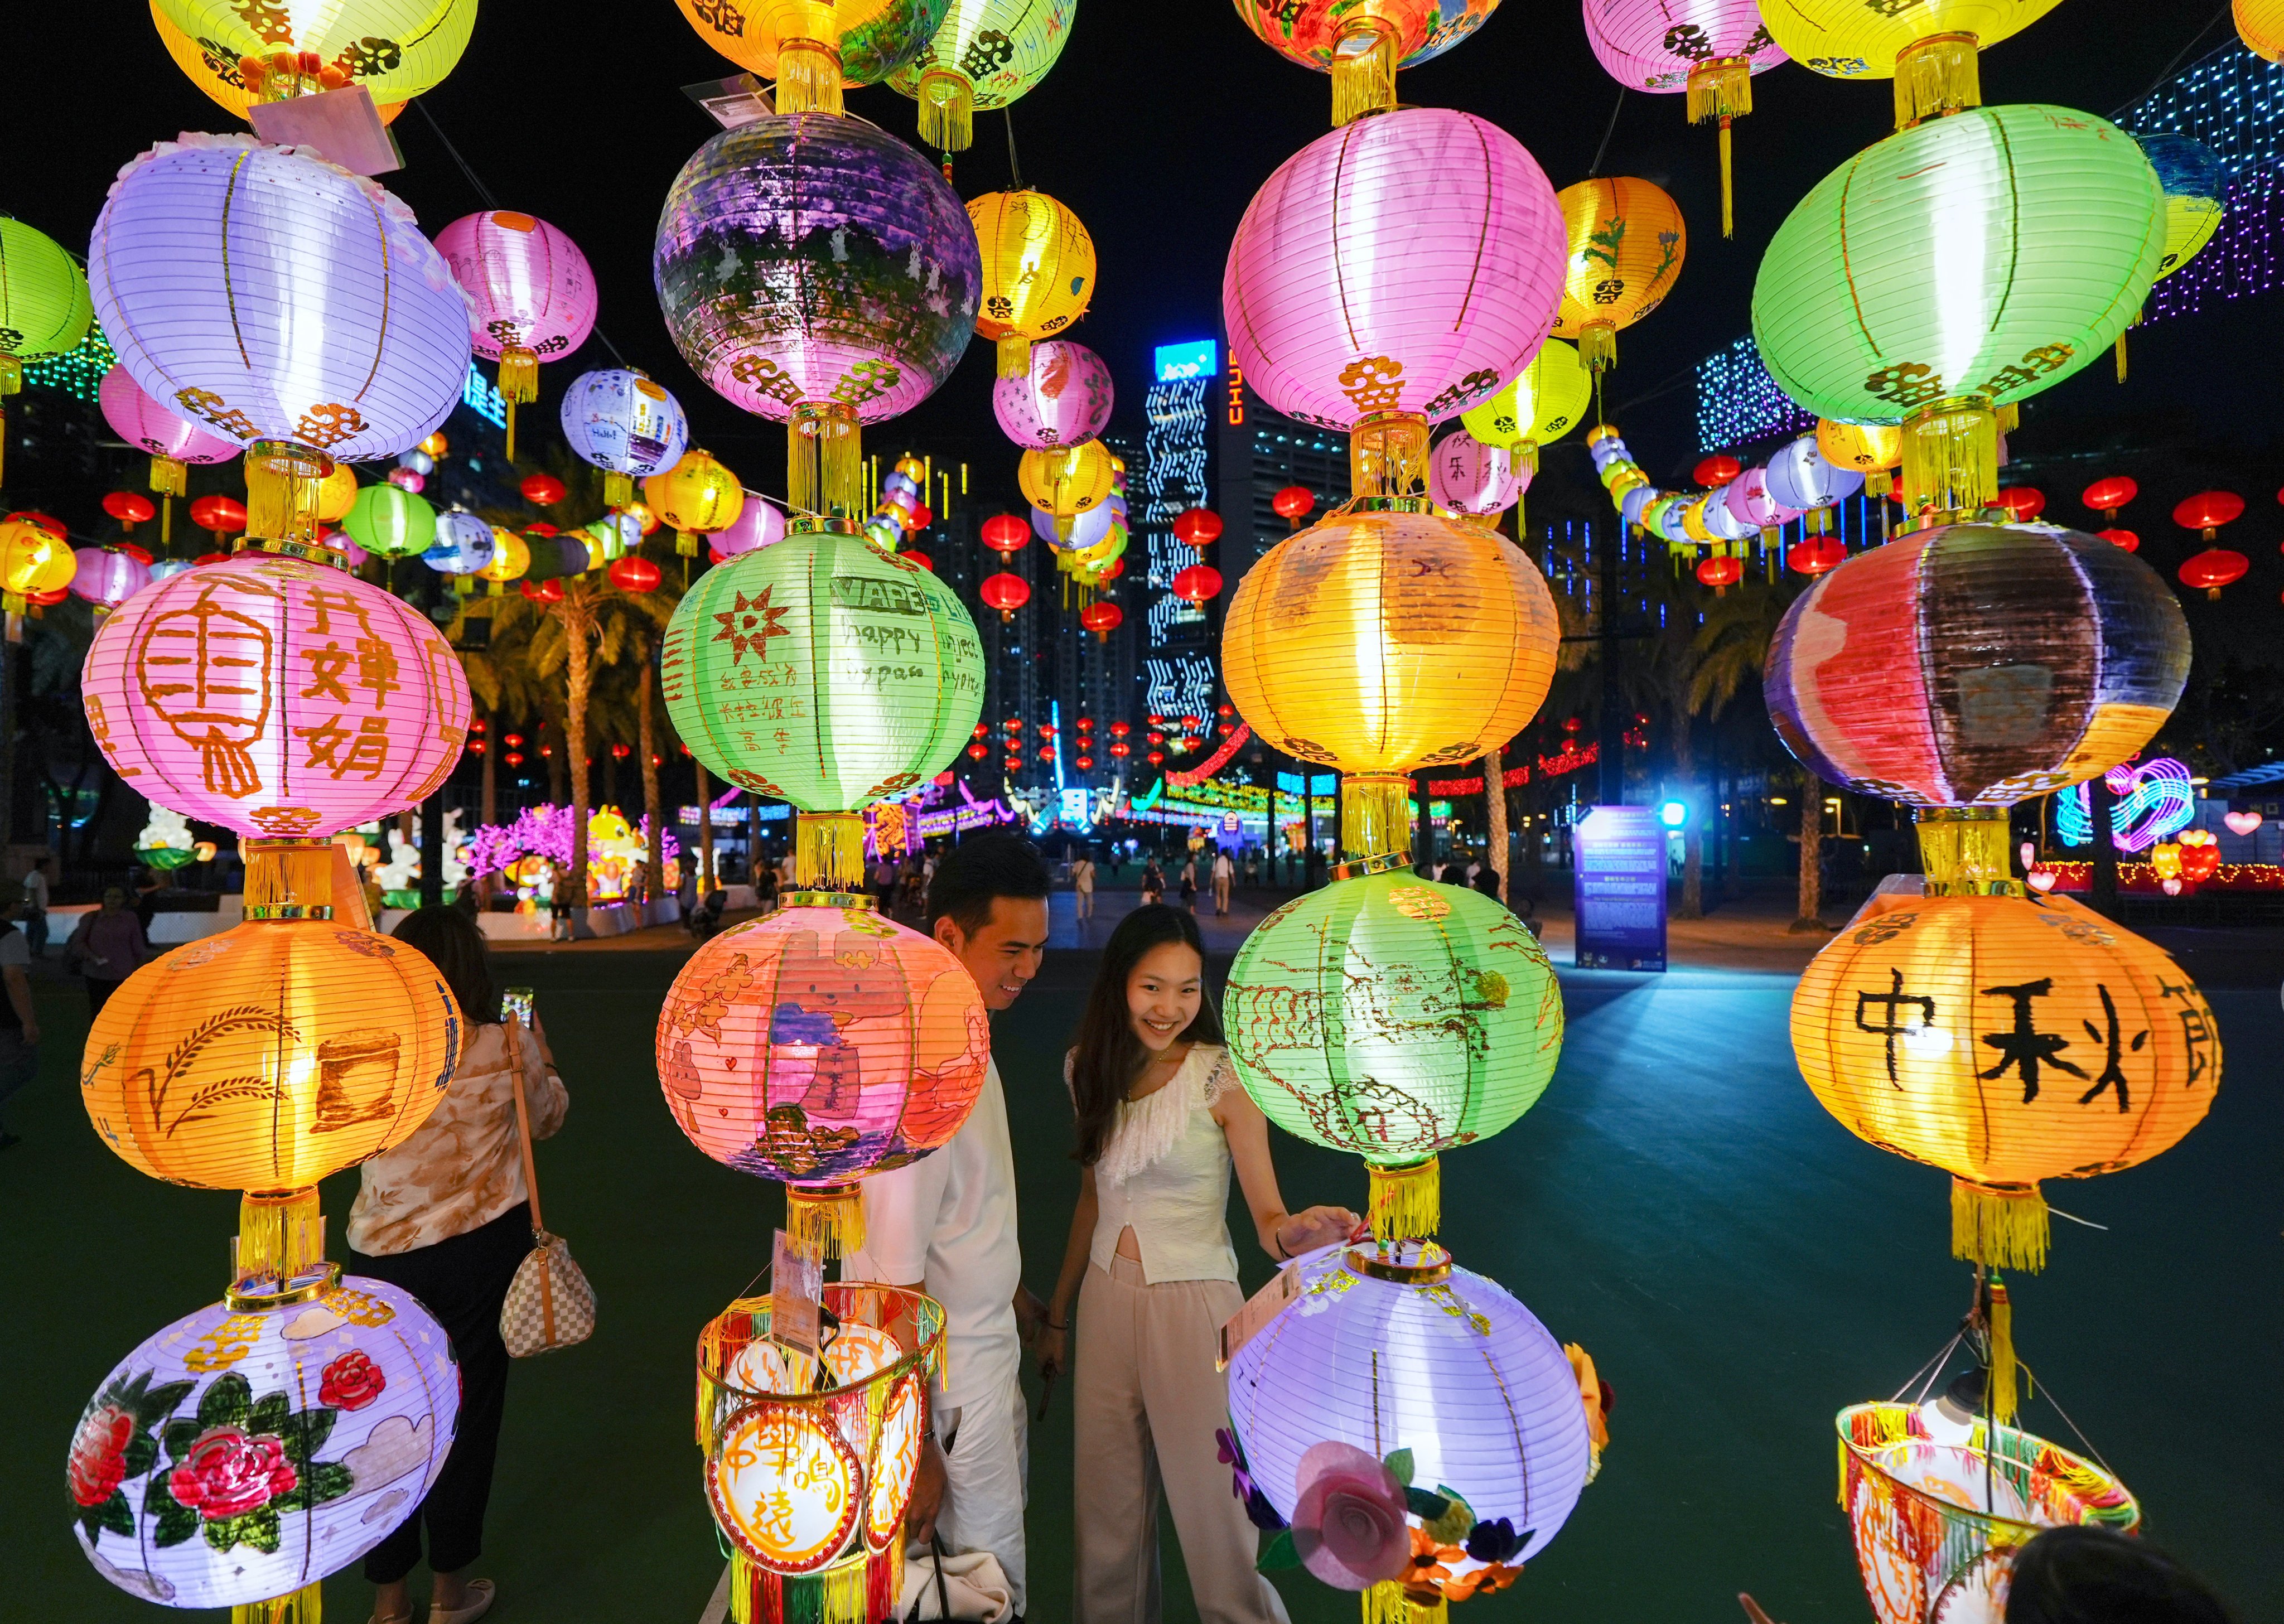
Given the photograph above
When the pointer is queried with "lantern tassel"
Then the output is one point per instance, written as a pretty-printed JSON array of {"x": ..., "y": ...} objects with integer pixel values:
[
  {"x": 2001, "y": 1397},
  {"x": 2121, "y": 357},
  {"x": 1728, "y": 184},
  {"x": 947, "y": 111},
  {"x": 825, "y": 469},
  {"x": 306, "y": 1605},
  {"x": 1015, "y": 355},
  {"x": 2005, "y": 1229},
  {"x": 1936, "y": 75},
  {"x": 1407, "y": 1201},
  {"x": 828, "y": 851},
  {"x": 1951, "y": 459},
  {"x": 1390, "y": 1602},
  {"x": 1722, "y": 89},
  {"x": 809, "y": 77},
  {"x": 1598, "y": 349},
  {"x": 618, "y": 490},
  {"x": 1363, "y": 71},
  {"x": 826, "y": 1219},
  {"x": 518, "y": 380}
]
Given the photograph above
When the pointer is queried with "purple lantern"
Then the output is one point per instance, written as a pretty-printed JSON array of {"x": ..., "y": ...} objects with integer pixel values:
[
  {"x": 1467, "y": 476},
  {"x": 1064, "y": 399},
  {"x": 627, "y": 425},
  {"x": 106, "y": 577},
  {"x": 760, "y": 523},
  {"x": 1801, "y": 479},
  {"x": 1087, "y": 529},
  {"x": 1721, "y": 519},
  {"x": 531, "y": 296}
]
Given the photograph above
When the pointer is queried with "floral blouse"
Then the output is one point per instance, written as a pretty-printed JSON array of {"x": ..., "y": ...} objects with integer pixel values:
[{"x": 463, "y": 1166}]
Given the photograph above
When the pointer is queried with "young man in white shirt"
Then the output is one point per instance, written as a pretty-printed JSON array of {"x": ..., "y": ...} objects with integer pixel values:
[{"x": 946, "y": 1225}]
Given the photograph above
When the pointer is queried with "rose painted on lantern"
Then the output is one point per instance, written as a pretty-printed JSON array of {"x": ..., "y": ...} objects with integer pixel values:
[{"x": 352, "y": 1381}]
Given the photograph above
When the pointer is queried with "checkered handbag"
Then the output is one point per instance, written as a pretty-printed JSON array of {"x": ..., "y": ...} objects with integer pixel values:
[{"x": 549, "y": 1304}]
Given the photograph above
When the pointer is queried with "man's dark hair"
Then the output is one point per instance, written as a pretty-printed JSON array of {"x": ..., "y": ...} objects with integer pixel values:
[
  {"x": 997, "y": 863},
  {"x": 2090, "y": 1575}
]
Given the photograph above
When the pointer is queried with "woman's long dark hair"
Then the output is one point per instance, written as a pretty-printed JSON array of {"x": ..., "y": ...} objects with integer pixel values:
[
  {"x": 1108, "y": 1056},
  {"x": 449, "y": 940}
]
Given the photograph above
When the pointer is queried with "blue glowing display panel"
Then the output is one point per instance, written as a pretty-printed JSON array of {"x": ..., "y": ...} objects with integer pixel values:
[{"x": 1176, "y": 361}]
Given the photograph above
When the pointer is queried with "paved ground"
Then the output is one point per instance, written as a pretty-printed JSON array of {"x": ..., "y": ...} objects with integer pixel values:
[{"x": 1740, "y": 1266}]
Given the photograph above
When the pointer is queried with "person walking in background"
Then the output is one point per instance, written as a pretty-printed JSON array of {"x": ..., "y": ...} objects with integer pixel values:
[
  {"x": 107, "y": 948},
  {"x": 1160, "y": 1121},
  {"x": 34, "y": 922},
  {"x": 1190, "y": 883},
  {"x": 1082, "y": 886},
  {"x": 1153, "y": 883},
  {"x": 445, "y": 1215},
  {"x": 560, "y": 901},
  {"x": 20, "y": 1026},
  {"x": 1224, "y": 875}
]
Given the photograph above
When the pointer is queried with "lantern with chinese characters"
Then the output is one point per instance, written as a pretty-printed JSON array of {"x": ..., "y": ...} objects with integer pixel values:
[
  {"x": 697, "y": 496},
  {"x": 274, "y": 697},
  {"x": 1993, "y": 252},
  {"x": 985, "y": 54},
  {"x": 224, "y": 272},
  {"x": 1626, "y": 242},
  {"x": 240, "y": 54},
  {"x": 813, "y": 47},
  {"x": 44, "y": 309},
  {"x": 1927, "y": 47},
  {"x": 1708, "y": 48},
  {"x": 808, "y": 1477},
  {"x": 253, "y": 1447},
  {"x": 1393, "y": 1354},
  {"x": 107, "y": 577},
  {"x": 1861, "y": 447},
  {"x": 627, "y": 425},
  {"x": 1063, "y": 399},
  {"x": 1545, "y": 401},
  {"x": 1471, "y": 478},
  {"x": 142, "y": 423},
  {"x": 1800, "y": 478},
  {"x": 1066, "y": 482},
  {"x": 820, "y": 1043},
  {"x": 393, "y": 523},
  {"x": 1390, "y": 274},
  {"x": 1363, "y": 46},
  {"x": 1038, "y": 272},
  {"x": 890, "y": 274},
  {"x": 463, "y": 545},
  {"x": 531, "y": 296}
]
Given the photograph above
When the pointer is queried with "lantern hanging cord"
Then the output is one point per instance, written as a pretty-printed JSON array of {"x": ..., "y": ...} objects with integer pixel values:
[
  {"x": 2046, "y": 1392},
  {"x": 1014, "y": 169},
  {"x": 1927, "y": 1375},
  {"x": 2158, "y": 83},
  {"x": 1611, "y": 129}
]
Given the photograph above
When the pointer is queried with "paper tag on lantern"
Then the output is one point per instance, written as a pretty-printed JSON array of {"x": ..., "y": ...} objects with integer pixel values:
[
  {"x": 1263, "y": 1306},
  {"x": 796, "y": 1283}
]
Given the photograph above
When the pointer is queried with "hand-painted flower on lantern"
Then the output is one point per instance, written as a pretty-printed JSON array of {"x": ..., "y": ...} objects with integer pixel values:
[
  {"x": 1063, "y": 400},
  {"x": 985, "y": 54},
  {"x": 1626, "y": 242}
]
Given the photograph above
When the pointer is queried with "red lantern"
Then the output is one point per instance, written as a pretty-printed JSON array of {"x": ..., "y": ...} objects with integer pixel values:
[
  {"x": 620, "y": 753},
  {"x": 1156, "y": 721},
  {"x": 514, "y": 740},
  {"x": 1198, "y": 584},
  {"x": 1720, "y": 573},
  {"x": 1157, "y": 737},
  {"x": 141, "y": 555},
  {"x": 1120, "y": 749},
  {"x": 1084, "y": 763},
  {"x": 1014, "y": 724},
  {"x": 129, "y": 508},
  {"x": 2021, "y": 502},
  {"x": 1014, "y": 763},
  {"x": 1812, "y": 557},
  {"x": 2106, "y": 497},
  {"x": 47, "y": 600},
  {"x": 981, "y": 729},
  {"x": 1192, "y": 722},
  {"x": 2120, "y": 538},
  {"x": 50, "y": 523},
  {"x": 1198, "y": 526},
  {"x": 919, "y": 558},
  {"x": 976, "y": 753},
  {"x": 1225, "y": 711},
  {"x": 1156, "y": 758},
  {"x": 1085, "y": 725},
  {"x": 513, "y": 758},
  {"x": 1120, "y": 729},
  {"x": 475, "y": 747},
  {"x": 1717, "y": 469},
  {"x": 1006, "y": 593},
  {"x": 2214, "y": 568},
  {"x": 548, "y": 591},
  {"x": 1112, "y": 570},
  {"x": 2208, "y": 511},
  {"x": 1223, "y": 730},
  {"x": 919, "y": 518},
  {"x": 1101, "y": 619},
  {"x": 223, "y": 515},
  {"x": 633, "y": 575},
  {"x": 542, "y": 489},
  {"x": 1006, "y": 534},
  {"x": 1292, "y": 504},
  {"x": 541, "y": 527}
]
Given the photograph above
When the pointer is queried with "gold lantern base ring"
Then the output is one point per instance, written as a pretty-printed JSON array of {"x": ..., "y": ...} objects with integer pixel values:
[
  {"x": 1407, "y": 1198},
  {"x": 282, "y": 481},
  {"x": 2000, "y": 1226}
]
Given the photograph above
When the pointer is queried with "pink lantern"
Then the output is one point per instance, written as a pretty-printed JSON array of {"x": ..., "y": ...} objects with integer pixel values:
[
  {"x": 142, "y": 423},
  {"x": 760, "y": 523},
  {"x": 268, "y": 295},
  {"x": 274, "y": 697},
  {"x": 531, "y": 296},
  {"x": 1064, "y": 399},
  {"x": 1748, "y": 501},
  {"x": 408, "y": 480},
  {"x": 1408, "y": 262},
  {"x": 107, "y": 577},
  {"x": 1467, "y": 476}
]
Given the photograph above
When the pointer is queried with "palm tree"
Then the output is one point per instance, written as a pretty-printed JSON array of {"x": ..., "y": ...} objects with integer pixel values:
[{"x": 503, "y": 686}]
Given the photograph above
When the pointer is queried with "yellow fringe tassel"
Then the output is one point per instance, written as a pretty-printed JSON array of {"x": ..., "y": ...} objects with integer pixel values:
[
  {"x": 1364, "y": 70},
  {"x": 828, "y": 851},
  {"x": 1389, "y": 1602},
  {"x": 282, "y": 480},
  {"x": 306, "y": 1605},
  {"x": 169, "y": 478},
  {"x": 1014, "y": 356},
  {"x": 1598, "y": 346},
  {"x": 618, "y": 489},
  {"x": 1951, "y": 460},
  {"x": 1723, "y": 89},
  {"x": 2001, "y": 1397},
  {"x": 519, "y": 381},
  {"x": 2006, "y": 1229},
  {"x": 809, "y": 77},
  {"x": 1936, "y": 75},
  {"x": 279, "y": 1235},
  {"x": 1407, "y": 1201},
  {"x": 827, "y": 1219},
  {"x": 845, "y": 1592},
  {"x": 947, "y": 110},
  {"x": 1388, "y": 455},
  {"x": 1375, "y": 815},
  {"x": 825, "y": 461},
  {"x": 2010, "y": 419}
]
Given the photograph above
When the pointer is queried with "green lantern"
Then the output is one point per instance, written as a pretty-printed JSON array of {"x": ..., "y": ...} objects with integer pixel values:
[
  {"x": 44, "y": 308},
  {"x": 983, "y": 55},
  {"x": 1395, "y": 1017},
  {"x": 825, "y": 673},
  {"x": 391, "y": 522},
  {"x": 1952, "y": 270}
]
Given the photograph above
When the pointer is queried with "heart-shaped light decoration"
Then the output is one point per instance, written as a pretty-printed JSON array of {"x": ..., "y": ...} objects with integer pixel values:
[
  {"x": 2042, "y": 880},
  {"x": 2171, "y": 887},
  {"x": 2241, "y": 822}
]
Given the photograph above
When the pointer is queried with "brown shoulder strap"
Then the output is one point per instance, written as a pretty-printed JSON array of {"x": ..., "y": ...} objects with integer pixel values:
[{"x": 523, "y": 1118}]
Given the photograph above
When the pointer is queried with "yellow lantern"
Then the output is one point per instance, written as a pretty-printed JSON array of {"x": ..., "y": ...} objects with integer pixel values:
[
  {"x": 1927, "y": 47},
  {"x": 337, "y": 493},
  {"x": 1627, "y": 241},
  {"x": 1537, "y": 409},
  {"x": 2260, "y": 25},
  {"x": 814, "y": 48},
  {"x": 32, "y": 559},
  {"x": 1067, "y": 480},
  {"x": 1038, "y": 272},
  {"x": 510, "y": 559},
  {"x": 1868, "y": 448},
  {"x": 395, "y": 49},
  {"x": 697, "y": 496}
]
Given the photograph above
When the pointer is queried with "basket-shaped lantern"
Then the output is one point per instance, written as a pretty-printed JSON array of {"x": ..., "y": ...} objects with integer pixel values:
[{"x": 808, "y": 1489}]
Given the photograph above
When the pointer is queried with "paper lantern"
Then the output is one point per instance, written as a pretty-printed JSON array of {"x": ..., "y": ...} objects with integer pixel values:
[
  {"x": 2260, "y": 25},
  {"x": 2107, "y": 496},
  {"x": 393, "y": 523},
  {"x": 541, "y": 490},
  {"x": 1399, "y": 268},
  {"x": 760, "y": 523},
  {"x": 531, "y": 296},
  {"x": 1977, "y": 664},
  {"x": 1927, "y": 48},
  {"x": 2007, "y": 1040},
  {"x": 1717, "y": 469},
  {"x": 889, "y": 276},
  {"x": 1626, "y": 242},
  {"x": 1006, "y": 534},
  {"x": 1378, "y": 642},
  {"x": 2214, "y": 568},
  {"x": 395, "y": 49},
  {"x": 985, "y": 54},
  {"x": 1038, "y": 272},
  {"x": 1397, "y": 1351},
  {"x": 1102, "y": 619},
  {"x": 107, "y": 577},
  {"x": 253, "y": 1447},
  {"x": 813, "y": 50},
  {"x": 2208, "y": 511},
  {"x": 868, "y": 671},
  {"x": 819, "y": 1043},
  {"x": 697, "y": 496},
  {"x": 809, "y": 1488},
  {"x": 1006, "y": 593},
  {"x": 44, "y": 306},
  {"x": 1470, "y": 477},
  {"x": 275, "y": 695},
  {"x": 633, "y": 575},
  {"x": 627, "y": 425},
  {"x": 1955, "y": 267},
  {"x": 1859, "y": 448},
  {"x": 1199, "y": 584},
  {"x": 1362, "y": 46},
  {"x": 1293, "y": 503},
  {"x": 1818, "y": 554},
  {"x": 1066, "y": 482},
  {"x": 462, "y": 545},
  {"x": 1544, "y": 402},
  {"x": 1063, "y": 398},
  {"x": 2195, "y": 182},
  {"x": 1801, "y": 479},
  {"x": 1720, "y": 573},
  {"x": 129, "y": 508},
  {"x": 1199, "y": 528},
  {"x": 319, "y": 317},
  {"x": 1708, "y": 50},
  {"x": 32, "y": 560},
  {"x": 142, "y": 422}
]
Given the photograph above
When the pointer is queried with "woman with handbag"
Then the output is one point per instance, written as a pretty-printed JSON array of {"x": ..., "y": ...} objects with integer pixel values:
[{"x": 449, "y": 1216}]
